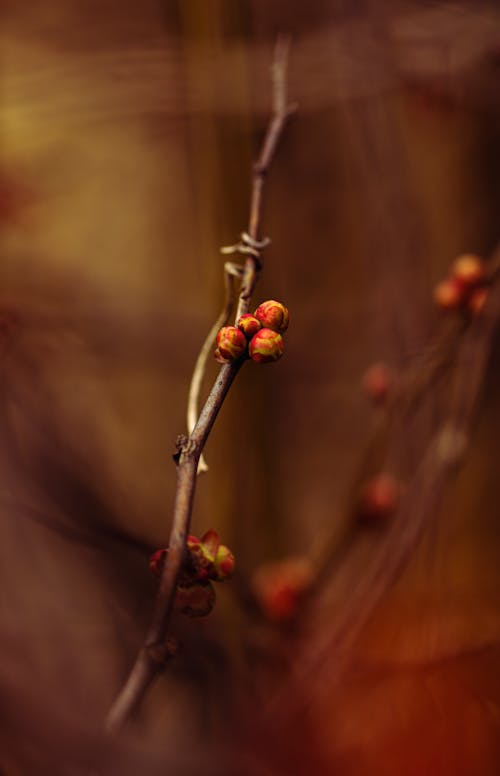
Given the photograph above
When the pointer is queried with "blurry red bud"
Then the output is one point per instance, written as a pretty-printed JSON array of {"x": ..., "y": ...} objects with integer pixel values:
[
  {"x": 468, "y": 269},
  {"x": 379, "y": 497},
  {"x": 477, "y": 301},
  {"x": 377, "y": 382},
  {"x": 279, "y": 587}
]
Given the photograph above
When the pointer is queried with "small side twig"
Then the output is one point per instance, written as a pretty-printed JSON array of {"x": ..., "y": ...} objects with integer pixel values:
[{"x": 154, "y": 652}]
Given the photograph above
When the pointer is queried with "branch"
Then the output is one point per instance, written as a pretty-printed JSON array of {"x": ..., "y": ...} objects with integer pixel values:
[{"x": 155, "y": 651}]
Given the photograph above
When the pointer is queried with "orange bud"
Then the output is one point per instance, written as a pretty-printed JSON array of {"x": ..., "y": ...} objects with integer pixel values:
[
  {"x": 449, "y": 294},
  {"x": 231, "y": 344},
  {"x": 273, "y": 315},
  {"x": 249, "y": 325},
  {"x": 266, "y": 346},
  {"x": 468, "y": 269}
]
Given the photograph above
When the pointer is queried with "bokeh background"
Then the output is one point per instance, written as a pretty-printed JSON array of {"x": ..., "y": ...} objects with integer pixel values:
[{"x": 127, "y": 136}]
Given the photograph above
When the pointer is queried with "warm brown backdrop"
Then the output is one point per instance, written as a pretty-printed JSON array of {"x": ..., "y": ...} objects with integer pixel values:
[{"x": 128, "y": 131}]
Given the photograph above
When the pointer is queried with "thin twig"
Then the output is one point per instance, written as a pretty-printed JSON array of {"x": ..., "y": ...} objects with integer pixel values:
[
  {"x": 230, "y": 272},
  {"x": 154, "y": 653}
]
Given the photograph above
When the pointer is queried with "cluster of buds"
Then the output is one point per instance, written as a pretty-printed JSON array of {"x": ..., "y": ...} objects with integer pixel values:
[
  {"x": 465, "y": 287},
  {"x": 257, "y": 336},
  {"x": 206, "y": 561},
  {"x": 280, "y": 587}
]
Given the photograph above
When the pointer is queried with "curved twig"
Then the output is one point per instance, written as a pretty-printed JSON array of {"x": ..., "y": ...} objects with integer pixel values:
[{"x": 155, "y": 651}]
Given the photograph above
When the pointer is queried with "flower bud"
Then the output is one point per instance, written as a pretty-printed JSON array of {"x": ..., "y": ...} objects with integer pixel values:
[
  {"x": 477, "y": 300},
  {"x": 249, "y": 325},
  {"x": 449, "y": 294},
  {"x": 157, "y": 561},
  {"x": 223, "y": 564},
  {"x": 266, "y": 346},
  {"x": 279, "y": 587},
  {"x": 231, "y": 344},
  {"x": 377, "y": 382},
  {"x": 379, "y": 497},
  {"x": 202, "y": 554},
  {"x": 468, "y": 269},
  {"x": 273, "y": 315},
  {"x": 195, "y": 600}
]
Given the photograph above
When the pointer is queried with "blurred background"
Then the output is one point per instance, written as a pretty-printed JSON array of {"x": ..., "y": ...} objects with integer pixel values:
[{"x": 128, "y": 132}]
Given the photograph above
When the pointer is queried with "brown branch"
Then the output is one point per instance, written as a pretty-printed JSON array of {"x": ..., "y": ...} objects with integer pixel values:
[{"x": 154, "y": 653}]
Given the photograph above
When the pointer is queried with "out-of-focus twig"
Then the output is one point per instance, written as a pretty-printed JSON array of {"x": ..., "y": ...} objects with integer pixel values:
[
  {"x": 382, "y": 565},
  {"x": 154, "y": 652}
]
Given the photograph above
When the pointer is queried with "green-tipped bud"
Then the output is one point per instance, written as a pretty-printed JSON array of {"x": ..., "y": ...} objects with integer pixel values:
[
  {"x": 266, "y": 346},
  {"x": 231, "y": 344},
  {"x": 224, "y": 564},
  {"x": 195, "y": 600},
  {"x": 249, "y": 325},
  {"x": 273, "y": 315}
]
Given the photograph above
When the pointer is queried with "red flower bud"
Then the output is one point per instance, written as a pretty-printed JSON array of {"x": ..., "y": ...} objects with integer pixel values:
[
  {"x": 468, "y": 269},
  {"x": 377, "y": 382},
  {"x": 249, "y": 325},
  {"x": 449, "y": 294},
  {"x": 266, "y": 346},
  {"x": 379, "y": 497},
  {"x": 477, "y": 300},
  {"x": 273, "y": 315},
  {"x": 195, "y": 600},
  {"x": 157, "y": 561},
  {"x": 202, "y": 554},
  {"x": 231, "y": 344},
  {"x": 279, "y": 587},
  {"x": 224, "y": 564}
]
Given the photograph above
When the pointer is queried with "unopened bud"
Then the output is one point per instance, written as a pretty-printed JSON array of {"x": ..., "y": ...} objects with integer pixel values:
[
  {"x": 449, "y": 294},
  {"x": 231, "y": 344},
  {"x": 280, "y": 587},
  {"x": 477, "y": 301},
  {"x": 224, "y": 564},
  {"x": 157, "y": 561},
  {"x": 468, "y": 269},
  {"x": 377, "y": 382},
  {"x": 266, "y": 346},
  {"x": 273, "y": 315},
  {"x": 195, "y": 600},
  {"x": 249, "y": 325},
  {"x": 379, "y": 497}
]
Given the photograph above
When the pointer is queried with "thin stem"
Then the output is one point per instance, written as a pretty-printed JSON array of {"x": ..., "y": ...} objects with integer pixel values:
[{"x": 154, "y": 653}]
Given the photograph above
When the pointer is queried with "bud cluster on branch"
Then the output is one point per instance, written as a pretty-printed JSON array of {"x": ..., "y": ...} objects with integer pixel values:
[
  {"x": 257, "y": 336},
  {"x": 206, "y": 561},
  {"x": 465, "y": 287}
]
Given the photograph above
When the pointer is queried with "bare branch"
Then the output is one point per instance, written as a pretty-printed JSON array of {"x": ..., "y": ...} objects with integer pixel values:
[{"x": 154, "y": 653}]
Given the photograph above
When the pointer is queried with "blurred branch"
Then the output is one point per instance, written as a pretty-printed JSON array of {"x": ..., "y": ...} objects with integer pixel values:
[
  {"x": 155, "y": 653},
  {"x": 364, "y": 574}
]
